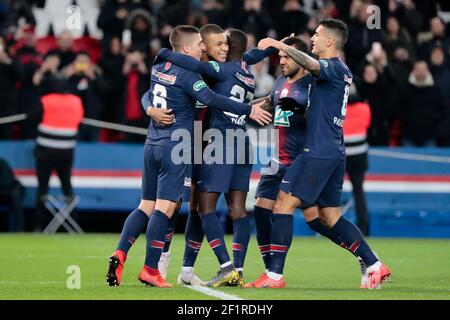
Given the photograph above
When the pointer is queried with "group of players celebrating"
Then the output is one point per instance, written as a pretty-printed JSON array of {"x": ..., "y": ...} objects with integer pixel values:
[{"x": 209, "y": 67}]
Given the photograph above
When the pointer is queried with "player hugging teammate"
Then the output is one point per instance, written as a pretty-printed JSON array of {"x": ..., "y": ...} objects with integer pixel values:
[{"x": 309, "y": 101}]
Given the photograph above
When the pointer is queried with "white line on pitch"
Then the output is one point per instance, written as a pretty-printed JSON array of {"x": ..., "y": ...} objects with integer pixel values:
[{"x": 213, "y": 293}]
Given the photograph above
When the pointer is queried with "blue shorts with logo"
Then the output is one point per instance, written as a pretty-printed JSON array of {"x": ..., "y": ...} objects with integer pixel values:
[
  {"x": 316, "y": 181},
  {"x": 269, "y": 184},
  {"x": 163, "y": 179}
]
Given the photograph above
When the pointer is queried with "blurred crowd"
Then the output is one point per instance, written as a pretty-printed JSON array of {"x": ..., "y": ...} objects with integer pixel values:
[{"x": 401, "y": 69}]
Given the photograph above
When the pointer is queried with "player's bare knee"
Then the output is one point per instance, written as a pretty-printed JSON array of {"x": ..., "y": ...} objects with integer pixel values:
[
  {"x": 285, "y": 203},
  {"x": 329, "y": 215},
  {"x": 237, "y": 213},
  {"x": 265, "y": 203},
  {"x": 311, "y": 213},
  {"x": 166, "y": 206},
  {"x": 147, "y": 206}
]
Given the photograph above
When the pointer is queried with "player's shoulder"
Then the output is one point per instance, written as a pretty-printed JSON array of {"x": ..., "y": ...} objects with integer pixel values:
[{"x": 337, "y": 66}]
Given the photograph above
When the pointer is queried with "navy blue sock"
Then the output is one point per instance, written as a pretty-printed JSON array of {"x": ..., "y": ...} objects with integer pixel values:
[
  {"x": 156, "y": 229},
  {"x": 319, "y": 227},
  {"x": 263, "y": 224},
  {"x": 170, "y": 231},
  {"x": 354, "y": 240},
  {"x": 194, "y": 237},
  {"x": 215, "y": 235},
  {"x": 135, "y": 223},
  {"x": 241, "y": 237},
  {"x": 280, "y": 240}
]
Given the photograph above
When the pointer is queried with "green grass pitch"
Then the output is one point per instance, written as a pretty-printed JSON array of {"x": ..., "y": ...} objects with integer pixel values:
[{"x": 34, "y": 267}]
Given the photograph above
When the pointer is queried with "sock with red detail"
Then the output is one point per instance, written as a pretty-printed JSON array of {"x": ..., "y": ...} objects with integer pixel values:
[
  {"x": 132, "y": 228},
  {"x": 156, "y": 229}
]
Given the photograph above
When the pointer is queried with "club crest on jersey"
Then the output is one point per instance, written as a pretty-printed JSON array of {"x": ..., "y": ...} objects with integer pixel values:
[
  {"x": 284, "y": 93},
  {"x": 248, "y": 81},
  {"x": 200, "y": 84},
  {"x": 215, "y": 65},
  {"x": 167, "y": 66},
  {"x": 166, "y": 78}
]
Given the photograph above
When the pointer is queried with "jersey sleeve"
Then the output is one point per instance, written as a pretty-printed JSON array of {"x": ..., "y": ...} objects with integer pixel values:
[
  {"x": 254, "y": 55},
  {"x": 145, "y": 100},
  {"x": 211, "y": 69},
  {"x": 328, "y": 70},
  {"x": 194, "y": 85}
]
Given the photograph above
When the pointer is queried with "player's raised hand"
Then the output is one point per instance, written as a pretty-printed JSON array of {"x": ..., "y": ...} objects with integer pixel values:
[
  {"x": 292, "y": 35},
  {"x": 260, "y": 115},
  {"x": 269, "y": 42},
  {"x": 161, "y": 116}
]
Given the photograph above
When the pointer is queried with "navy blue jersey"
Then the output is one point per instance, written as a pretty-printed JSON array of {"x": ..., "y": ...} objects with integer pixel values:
[
  {"x": 231, "y": 79},
  {"x": 326, "y": 111},
  {"x": 291, "y": 125},
  {"x": 237, "y": 83},
  {"x": 178, "y": 89}
]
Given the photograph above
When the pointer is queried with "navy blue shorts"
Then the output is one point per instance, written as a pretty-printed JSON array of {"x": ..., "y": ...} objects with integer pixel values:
[
  {"x": 269, "y": 185},
  {"x": 224, "y": 177},
  {"x": 162, "y": 179},
  {"x": 316, "y": 181}
]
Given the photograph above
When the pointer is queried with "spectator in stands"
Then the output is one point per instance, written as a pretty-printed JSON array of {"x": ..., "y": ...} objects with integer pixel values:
[
  {"x": 140, "y": 24},
  {"x": 11, "y": 194},
  {"x": 16, "y": 14},
  {"x": 61, "y": 113},
  {"x": 439, "y": 68},
  {"x": 292, "y": 19},
  {"x": 112, "y": 18},
  {"x": 356, "y": 126},
  {"x": 394, "y": 37},
  {"x": 111, "y": 64},
  {"x": 360, "y": 38},
  {"x": 439, "y": 38},
  {"x": 85, "y": 80},
  {"x": 252, "y": 18},
  {"x": 64, "y": 51},
  {"x": 215, "y": 13},
  {"x": 10, "y": 73},
  {"x": 28, "y": 94},
  {"x": 407, "y": 14},
  {"x": 137, "y": 81},
  {"x": 422, "y": 108},
  {"x": 373, "y": 90}
]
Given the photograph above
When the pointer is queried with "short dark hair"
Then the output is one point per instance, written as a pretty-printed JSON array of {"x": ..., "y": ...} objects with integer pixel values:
[
  {"x": 339, "y": 28},
  {"x": 296, "y": 43},
  {"x": 178, "y": 35},
  {"x": 210, "y": 28},
  {"x": 237, "y": 40}
]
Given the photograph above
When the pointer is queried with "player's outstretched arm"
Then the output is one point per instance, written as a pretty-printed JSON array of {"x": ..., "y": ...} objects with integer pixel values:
[
  {"x": 255, "y": 55},
  {"x": 210, "y": 70},
  {"x": 213, "y": 100},
  {"x": 303, "y": 59},
  {"x": 264, "y": 103}
]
